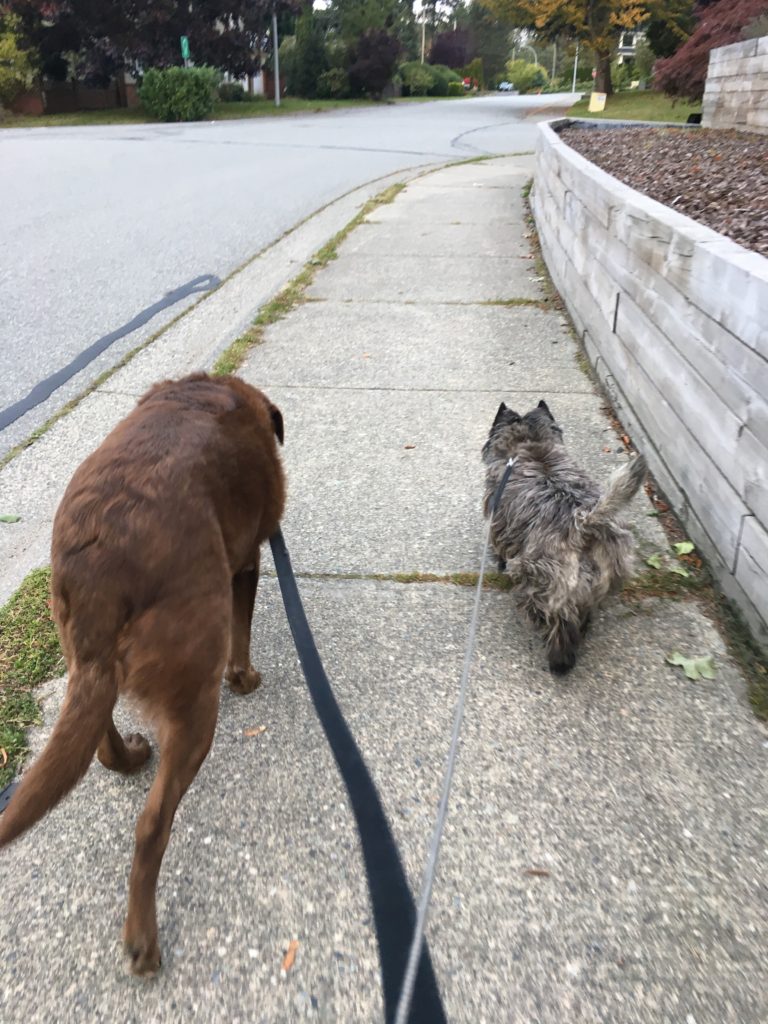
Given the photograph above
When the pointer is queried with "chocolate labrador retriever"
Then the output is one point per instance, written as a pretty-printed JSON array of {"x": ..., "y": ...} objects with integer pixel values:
[{"x": 155, "y": 565}]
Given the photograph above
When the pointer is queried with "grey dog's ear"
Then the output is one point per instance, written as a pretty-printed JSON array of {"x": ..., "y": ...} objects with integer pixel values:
[
  {"x": 543, "y": 405},
  {"x": 503, "y": 413},
  {"x": 277, "y": 422}
]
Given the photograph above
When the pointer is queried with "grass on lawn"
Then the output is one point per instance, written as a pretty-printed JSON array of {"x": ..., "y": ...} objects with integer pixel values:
[
  {"x": 29, "y": 655},
  {"x": 639, "y": 106},
  {"x": 260, "y": 107}
]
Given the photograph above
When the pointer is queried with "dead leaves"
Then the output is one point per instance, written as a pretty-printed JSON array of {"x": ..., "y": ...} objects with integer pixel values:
[
  {"x": 3, "y": 757},
  {"x": 683, "y": 551},
  {"x": 290, "y": 955},
  {"x": 257, "y": 730},
  {"x": 695, "y": 668}
]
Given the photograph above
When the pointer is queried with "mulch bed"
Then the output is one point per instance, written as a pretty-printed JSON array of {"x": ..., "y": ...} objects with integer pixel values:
[{"x": 719, "y": 178}]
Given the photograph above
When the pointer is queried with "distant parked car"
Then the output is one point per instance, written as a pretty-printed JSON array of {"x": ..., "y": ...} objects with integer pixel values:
[{"x": 507, "y": 87}]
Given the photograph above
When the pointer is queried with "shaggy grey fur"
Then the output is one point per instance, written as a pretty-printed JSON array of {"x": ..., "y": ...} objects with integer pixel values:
[{"x": 555, "y": 528}]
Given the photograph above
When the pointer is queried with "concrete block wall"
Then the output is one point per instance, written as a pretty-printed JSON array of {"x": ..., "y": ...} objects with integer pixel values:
[
  {"x": 674, "y": 318},
  {"x": 736, "y": 90}
]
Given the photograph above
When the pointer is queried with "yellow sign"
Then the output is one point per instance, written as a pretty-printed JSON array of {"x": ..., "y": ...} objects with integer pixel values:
[{"x": 597, "y": 102}]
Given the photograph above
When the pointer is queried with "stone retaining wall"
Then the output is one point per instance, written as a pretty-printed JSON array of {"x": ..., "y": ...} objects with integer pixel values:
[
  {"x": 674, "y": 318},
  {"x": 736, "y": 91}
]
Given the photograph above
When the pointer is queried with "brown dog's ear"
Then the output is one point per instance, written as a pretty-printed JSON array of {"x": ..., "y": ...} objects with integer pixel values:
[{"x": 277, "y": 422}]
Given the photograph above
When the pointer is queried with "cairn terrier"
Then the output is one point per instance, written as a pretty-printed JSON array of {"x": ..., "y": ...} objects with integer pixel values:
[{"x": 554, "y": 529}]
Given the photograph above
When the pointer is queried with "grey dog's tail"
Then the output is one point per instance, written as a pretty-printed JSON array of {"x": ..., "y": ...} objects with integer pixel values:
[{"x": 622, "y": 487}]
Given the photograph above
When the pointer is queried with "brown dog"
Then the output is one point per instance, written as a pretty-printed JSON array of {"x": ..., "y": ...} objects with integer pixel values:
[{"x": 155, "y": 565}]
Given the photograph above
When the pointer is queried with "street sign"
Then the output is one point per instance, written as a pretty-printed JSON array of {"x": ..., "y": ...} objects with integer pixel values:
[{"x": 184, "y": 40}]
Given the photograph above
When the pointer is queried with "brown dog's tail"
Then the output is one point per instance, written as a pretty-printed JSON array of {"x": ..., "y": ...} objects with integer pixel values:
[
  {"x": 84, "y": 718},
  {"x": 622, "y": 487}
]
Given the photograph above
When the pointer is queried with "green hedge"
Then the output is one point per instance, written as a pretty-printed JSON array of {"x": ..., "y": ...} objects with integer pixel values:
[
  {"x": 231, "y": 92},
  {"x": 179, "y": 94},
  {"x": 426, "y": 79}
]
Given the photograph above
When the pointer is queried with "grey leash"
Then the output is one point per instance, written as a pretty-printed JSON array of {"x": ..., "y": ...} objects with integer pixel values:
[{"x": 406, "y": 993}]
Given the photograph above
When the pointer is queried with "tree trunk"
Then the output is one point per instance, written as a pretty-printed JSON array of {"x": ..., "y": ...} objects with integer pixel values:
[{"x": 603, "y": 76}]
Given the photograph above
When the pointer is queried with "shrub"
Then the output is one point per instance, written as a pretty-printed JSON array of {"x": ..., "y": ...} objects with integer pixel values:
[
  {"x": 526, "y": 77},
  {"x": 455, "y": 89},
  {"x": 373, "y": 62},
  {"x": 231, "y": 92},
  {"x": 474, "y": 70},
  {"x": 333, "y": 84},
  {"x": 179, "y": 94},
  {"x": 441, "y": 79},
  {"x": 426, "y": 79},
  {"x": 417, "y": 78}
]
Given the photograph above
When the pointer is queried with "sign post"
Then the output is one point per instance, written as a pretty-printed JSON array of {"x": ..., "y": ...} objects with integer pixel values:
[{"x": 184, "y": 41}]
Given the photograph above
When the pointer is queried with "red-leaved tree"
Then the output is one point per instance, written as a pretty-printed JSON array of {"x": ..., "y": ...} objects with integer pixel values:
[{"x": 685, "y": 72}]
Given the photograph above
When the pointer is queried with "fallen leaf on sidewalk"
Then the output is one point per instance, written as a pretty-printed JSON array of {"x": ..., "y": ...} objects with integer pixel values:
[
  {"x": 625, "y": 440},
  {"x": 256, "y": 731},
  {"x": 679, "y": 570},
  {"x": 537, "y": 872},
  {"x": 290, "y": 954},
  {"x": 3, "y": 757},
  {"x": 9, "y": 519},
  {"x": 654, "y": 561},
  {"x": 683, "y": 547},
  {"x": 606, "y": 449},
  {"x": 410, "y": 446},
  {"x": 695, "y": 668}
]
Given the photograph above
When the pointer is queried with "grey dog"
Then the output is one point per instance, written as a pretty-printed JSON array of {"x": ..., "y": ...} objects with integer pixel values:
[{"x": 555, "y": 531}]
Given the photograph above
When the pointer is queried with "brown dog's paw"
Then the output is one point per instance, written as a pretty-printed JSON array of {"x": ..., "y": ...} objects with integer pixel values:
[
  {"x": 138, "y": 748},
  {"x": 243, "y": 680},
  {"x": 143, "y": 956}
]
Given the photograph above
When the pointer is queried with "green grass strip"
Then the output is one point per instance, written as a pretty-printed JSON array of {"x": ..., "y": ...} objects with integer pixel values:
[{"x": 29, "y": 655}]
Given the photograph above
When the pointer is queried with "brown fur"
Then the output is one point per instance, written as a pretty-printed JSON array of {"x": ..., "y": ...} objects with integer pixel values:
[{"x": 155, "y": 564}]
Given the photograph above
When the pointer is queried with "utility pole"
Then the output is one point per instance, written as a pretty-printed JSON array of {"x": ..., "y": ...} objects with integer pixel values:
[
  {"x": 554, "y": 57},
  {"x": 423, "y": 32},
  {"x": 575, "y": 67},
  {"x": 275, "y": 57}
]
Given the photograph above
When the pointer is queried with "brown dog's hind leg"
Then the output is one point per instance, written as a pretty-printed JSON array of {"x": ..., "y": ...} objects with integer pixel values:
[
  {"x": 184, "y": 740},
  {"x": 241, "y": 675},
  {"x": 123, "y": 754}
]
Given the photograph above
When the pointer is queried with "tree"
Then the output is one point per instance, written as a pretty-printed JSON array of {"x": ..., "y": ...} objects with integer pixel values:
[
  {"x": 595, "y": 22},
  {"x": 669, "y": 25},
  {"x": 489, "y": 40},
  {"x": 17, "y": 66},
  {"x": 374, "y": 59},
  {"x": 100, "y": 37},
  {"x": 450, "y": 48},
  {"x": 309, "y": 58},
  {"x": 685, "y": 73}
]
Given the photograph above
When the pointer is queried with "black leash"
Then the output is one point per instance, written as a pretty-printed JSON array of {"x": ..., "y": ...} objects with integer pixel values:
[{"x": 394, "y": 911}]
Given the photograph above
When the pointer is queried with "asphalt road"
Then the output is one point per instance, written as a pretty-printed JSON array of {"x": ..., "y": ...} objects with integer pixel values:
[{"x": 109, "y": 232}]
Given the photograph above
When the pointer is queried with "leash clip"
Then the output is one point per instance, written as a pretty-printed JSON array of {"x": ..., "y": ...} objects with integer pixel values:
[{"x": 502, "y": 484}]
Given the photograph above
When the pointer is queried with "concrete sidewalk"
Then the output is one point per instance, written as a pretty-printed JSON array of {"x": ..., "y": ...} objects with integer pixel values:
[{"x": 605, "y": 854}]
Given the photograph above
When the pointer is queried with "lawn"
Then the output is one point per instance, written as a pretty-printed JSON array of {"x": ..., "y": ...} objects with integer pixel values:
[
  {"x": 221, "y": 112},
  {"x": 640, "y": 106}
]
